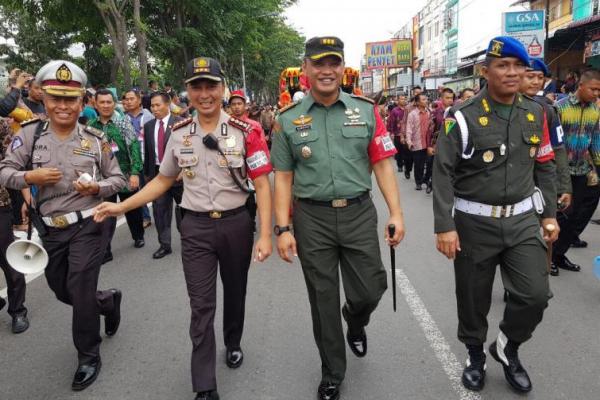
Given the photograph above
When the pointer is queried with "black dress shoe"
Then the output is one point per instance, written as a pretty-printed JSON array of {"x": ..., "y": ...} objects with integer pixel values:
[
  {"x": 328, "y": 391},
  {"x": 564, "y": 263},
  {"x": 514, "y": 372},
  {"x": 579, "y": 244},
  {"x": 112, "y": 320},
  {"x": 407, "y": 174},
  {"x": 418, "y": 187},
  {"x": 357, "y": 339},
  {"x": 234, "y": 358},
  {"x": 86, "y": 374},
  {"x": 429, "y": 189},
  {"x": 20, "y": 323},
  {"x": 473, "y": 377},
  {"x": 2, "y": 303},
  {"x": 554, "y": 269},
  {"x": 108, "y": 257},
  {"x": 138, "y": 244},
  {"x": 208, "y": 395},
  {"x": 161, "y": 252}
]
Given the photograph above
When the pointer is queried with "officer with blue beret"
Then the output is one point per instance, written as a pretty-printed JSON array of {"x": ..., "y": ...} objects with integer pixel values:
[
  {"x": 532, "y": 85},
  {"x": 494, "y": 173}
]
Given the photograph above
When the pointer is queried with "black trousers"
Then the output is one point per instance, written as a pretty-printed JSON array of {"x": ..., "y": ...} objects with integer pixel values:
[
  {"x": 75, "y": 254},
  {"x": 423, "y": 165},
  {"x": 398, "y": 156},
  {"x": 16, "y": 201},
  {"x": 573, "y": 221},
  {"x": 162, "y": 209},
  {"x": 407, "y": 158},
  {"x": 206, "y": 244},
  {"x": 15, "y": 281},
  {"x": 135, "y": 220}
]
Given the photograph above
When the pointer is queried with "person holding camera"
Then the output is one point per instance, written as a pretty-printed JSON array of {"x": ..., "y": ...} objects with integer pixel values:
[{"x": 216, "y": 155}]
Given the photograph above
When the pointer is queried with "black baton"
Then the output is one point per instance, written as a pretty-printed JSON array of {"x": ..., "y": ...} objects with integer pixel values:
[{"x": 391, "y": 232}]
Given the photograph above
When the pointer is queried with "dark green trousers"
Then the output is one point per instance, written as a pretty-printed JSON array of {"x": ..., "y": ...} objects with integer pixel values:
[
  {"x": 348, "y": 237},
  {"x": 516, "y": 245}
]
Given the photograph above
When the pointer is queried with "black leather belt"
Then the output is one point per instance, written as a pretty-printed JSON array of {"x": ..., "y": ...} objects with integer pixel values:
[
  {"x": 215, "y": 214},
  {"x": 338, "y": 203}
]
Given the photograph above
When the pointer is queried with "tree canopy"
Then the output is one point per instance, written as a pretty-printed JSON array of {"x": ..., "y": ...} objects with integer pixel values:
[{"x": 125, "y": 42}]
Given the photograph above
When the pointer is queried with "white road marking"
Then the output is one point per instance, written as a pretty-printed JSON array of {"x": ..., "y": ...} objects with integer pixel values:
[
  {"x": 31, "y": 277},
  {"x": 434, "y": 336}
]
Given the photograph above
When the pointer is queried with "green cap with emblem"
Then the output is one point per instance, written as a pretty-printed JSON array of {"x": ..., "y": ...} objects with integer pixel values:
[
  {"x": 319, "y": 47},
  {"x": 204, "y": 68}
]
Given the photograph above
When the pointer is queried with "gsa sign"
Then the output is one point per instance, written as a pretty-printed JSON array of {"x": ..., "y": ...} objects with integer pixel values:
[{"x": 523, "y": 21}]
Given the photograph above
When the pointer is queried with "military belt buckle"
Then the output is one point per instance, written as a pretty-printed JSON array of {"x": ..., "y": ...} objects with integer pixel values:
[
  {"x": 60, "y": 221},
  {"x": 215, "y": 214},
  {"x": 339, "y": 203}
]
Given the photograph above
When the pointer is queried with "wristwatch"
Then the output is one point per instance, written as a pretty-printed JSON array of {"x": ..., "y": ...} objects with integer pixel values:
[{"x": 280, "y": 229}]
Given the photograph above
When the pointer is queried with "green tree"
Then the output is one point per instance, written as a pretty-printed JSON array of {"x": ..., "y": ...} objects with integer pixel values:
[{"x": 36, "y": 42}]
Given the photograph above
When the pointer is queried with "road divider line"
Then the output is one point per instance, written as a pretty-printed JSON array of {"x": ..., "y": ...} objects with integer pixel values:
[{"x": 437, "y": 342}]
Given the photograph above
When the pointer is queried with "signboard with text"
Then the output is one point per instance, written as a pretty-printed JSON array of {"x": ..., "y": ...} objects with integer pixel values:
[
  {"x": 395, "y": 53},
  {"x": 528, "y": 28}
]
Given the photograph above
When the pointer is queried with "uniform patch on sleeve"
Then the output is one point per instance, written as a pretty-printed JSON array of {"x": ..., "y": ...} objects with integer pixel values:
[
  {"x": 257, "y": 160},
  {"x": 16, "y": 143},
  {"x": 448, "y": 125},
  {"x": 387, "y": 143},
  {"x": 560, "y": 133}
]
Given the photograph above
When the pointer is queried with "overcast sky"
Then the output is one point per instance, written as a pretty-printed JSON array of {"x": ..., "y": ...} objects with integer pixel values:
[{"x": 356, "y": 22}]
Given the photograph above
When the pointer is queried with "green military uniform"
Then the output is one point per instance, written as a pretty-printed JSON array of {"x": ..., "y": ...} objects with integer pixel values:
[
  {"x": 124, "y": 143},
  {"x": 330, "y": 151},
  {"x": 495, "y": 154}
]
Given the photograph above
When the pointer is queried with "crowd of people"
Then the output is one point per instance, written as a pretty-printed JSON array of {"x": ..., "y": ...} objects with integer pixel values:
[{"x": 76, "y": 158}]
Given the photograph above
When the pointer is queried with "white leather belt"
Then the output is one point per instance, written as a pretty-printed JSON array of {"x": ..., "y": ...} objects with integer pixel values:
[
  {"x": 485, "y": 210},
  {"x": 62, "y": 221}
]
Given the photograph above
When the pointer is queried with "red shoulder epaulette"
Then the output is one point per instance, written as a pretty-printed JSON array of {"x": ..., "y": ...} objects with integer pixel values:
[
  {"x": 241, "y": 125},
  {"x": 183, "y": 123}
]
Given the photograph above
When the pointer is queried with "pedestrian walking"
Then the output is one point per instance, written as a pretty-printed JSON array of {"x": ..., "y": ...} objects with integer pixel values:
[
  {"x": 494, "y": 151},
  {"x": 53, "y": 159},
  {"x": 216, "y": 155},
  {"x": 324, "y": 150}
]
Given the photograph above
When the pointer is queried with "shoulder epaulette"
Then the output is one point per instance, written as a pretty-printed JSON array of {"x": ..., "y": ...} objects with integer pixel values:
[
  {"x": 30, "y": 121},
  {"x": 241, "y": 125},
  {"x": 182, "y": 123},
  {"x": 94, "y": 132},
  {"x": 464, "y": 104},
  {"x": 356, "y": 96},
  {"x": 288, "y": 107}
]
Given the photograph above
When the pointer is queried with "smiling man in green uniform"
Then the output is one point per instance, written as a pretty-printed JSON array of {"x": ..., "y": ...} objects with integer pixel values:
[
  {"x": 494, "y": 152},
  {"x": 324, "y": 150}
]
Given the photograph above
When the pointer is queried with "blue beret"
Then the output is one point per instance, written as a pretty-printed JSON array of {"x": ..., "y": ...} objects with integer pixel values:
[
  {"x": 538, "y": 65},
  {"x": 506, "y": 46}
]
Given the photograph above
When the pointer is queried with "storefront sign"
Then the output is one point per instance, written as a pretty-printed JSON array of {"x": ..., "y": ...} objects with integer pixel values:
[{"x": 528, "y": 28}]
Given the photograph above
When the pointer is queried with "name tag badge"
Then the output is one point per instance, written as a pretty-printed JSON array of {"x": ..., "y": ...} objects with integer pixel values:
[
  {"x": 186, "y": 150},
  {"x": 84, "y": 152},
  {"x": 355, "y": 123},
  {"x": 114, "y": 147}
]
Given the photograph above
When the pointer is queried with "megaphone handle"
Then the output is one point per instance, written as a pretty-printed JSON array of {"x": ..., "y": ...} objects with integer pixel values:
[{"x": 29, "y": 223}]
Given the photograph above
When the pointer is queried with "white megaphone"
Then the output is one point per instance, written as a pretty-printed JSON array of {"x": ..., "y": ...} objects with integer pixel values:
[{"x": 27, "y": 256}]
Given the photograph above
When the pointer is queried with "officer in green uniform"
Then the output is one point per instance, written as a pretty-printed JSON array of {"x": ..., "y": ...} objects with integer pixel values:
[
  {"x": 494, "y": 152},
  {"x": 125, "y": 146},
  {"x": 324, "y": 150}
]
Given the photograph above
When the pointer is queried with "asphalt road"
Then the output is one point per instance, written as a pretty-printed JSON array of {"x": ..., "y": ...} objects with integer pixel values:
[{"x": 413, "y": 353}]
